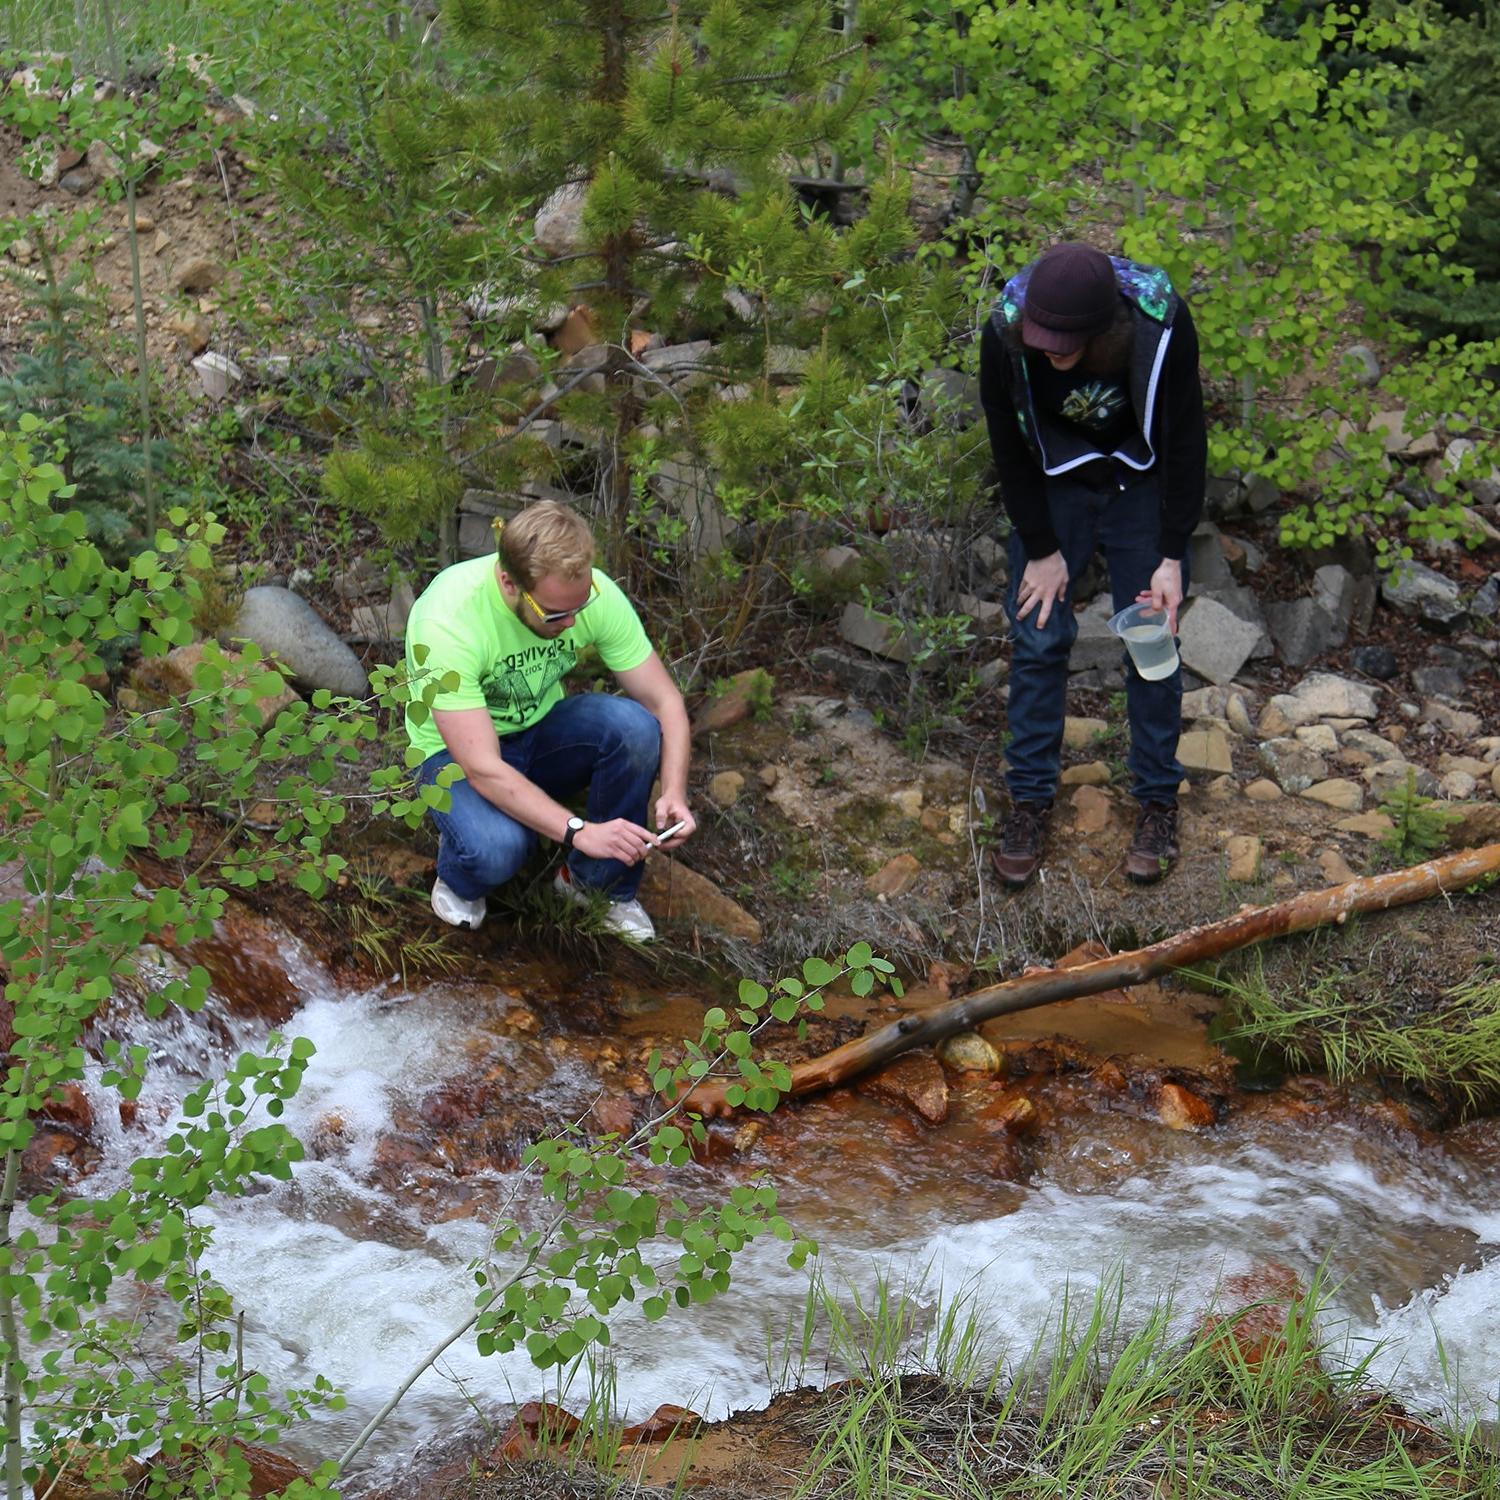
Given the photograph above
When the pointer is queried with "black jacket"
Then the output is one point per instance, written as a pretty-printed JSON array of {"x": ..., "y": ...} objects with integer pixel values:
[{"x": 1169, "y": 433}]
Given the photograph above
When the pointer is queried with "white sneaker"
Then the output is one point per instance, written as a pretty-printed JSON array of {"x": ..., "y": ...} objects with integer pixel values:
[
  {"x": 626, "y": 919},
  {"x": 454, "y": 910}
]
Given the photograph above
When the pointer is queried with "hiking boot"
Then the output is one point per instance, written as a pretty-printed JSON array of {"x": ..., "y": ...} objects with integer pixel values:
[
  {"x": 626, "y": 919},
  {"x": 1021, "y": 841},
  {"x": 454, "y": 910},
  {"x": 1153, "y": 850}
]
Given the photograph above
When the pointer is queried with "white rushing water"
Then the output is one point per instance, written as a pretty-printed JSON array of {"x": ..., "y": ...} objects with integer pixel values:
[{"x": 343, "y": 1279}]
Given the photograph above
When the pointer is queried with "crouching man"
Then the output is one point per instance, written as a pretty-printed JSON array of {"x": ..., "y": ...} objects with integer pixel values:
[{"x": 510, "y": 627}]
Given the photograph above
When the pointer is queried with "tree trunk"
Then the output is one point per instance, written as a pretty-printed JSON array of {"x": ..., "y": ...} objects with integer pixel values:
[{"x": 1043, "y": 986}]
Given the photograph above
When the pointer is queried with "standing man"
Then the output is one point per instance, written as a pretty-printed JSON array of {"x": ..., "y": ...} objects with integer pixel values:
[
  {"x": 1089, "y": 382},
  {"x": 508, "y": 628}
]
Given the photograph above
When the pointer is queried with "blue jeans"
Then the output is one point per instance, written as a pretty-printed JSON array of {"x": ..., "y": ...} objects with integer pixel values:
[
  {"x": 611, "y": 745},
  {"x": 1125, "y": 525}
]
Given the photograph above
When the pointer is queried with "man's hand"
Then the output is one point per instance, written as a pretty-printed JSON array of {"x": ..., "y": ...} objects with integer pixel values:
[
  {"x": 617, "y": 839},
  {"x": 669, "y": 811},
  {"x": 1044, "y": 583},
  {"x": 1165, "y": 592}
]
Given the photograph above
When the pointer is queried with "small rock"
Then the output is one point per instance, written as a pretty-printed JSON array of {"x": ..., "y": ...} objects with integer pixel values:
[
  {"x": 1205, "y": 750},
  {"x": 916, "y": 1082},
  {"x": 1368, "y": 825},
  {"x": 768, "y": 776},
  {"x": 1475, "y": 767},
  {"x": 1391, "y": 776},
  {"x": 968, "y": 1052},
  {"x": 907, "y": 800},
  {"x": 1090, "y": 773},
  {"x": 1079, "y": 734},
  {"x": 1181, "y": 1109},
  {"x": 1458, "y": 786},
  {"x": 881, "y": 635},
  {"x": 192, "y": 327},
  {"x": 1274, "y": 723},
  {"x": 1330, "y": 696},
  {"x": 198, "y": 274},
  {"x": 1317, "y": 737},
  {"x": 558, "y": 226},
  {"x": 670, "y": 890},
  {"x": 1456, "y": 721},
  {"x": 1237, "y": 712},
  {"x": 1422, "y": 593},
  {"x": 744, "y": 693},
  {"x": 1378, "y": 662},
  {"x": 724, "y": 789},
  {"x": 1495, "y": 781},
  {"x": 1292, "y": 764},
  {"x": 1335, "y": 867},
  {"x": 22, "y": 251},
  {"x": 1438, "y": 682},
  {"x": 1262, "y": 790},
  {"x": 1337, "y": 792},
  {"x": 1361, "y": 364},
  {"x": 1372, "y": 744},
  {"x": 835, "y": 561},
  {"x": 1244, "y": 854},
  {"x": 1092, "y": 810},
  {"x": 895, "y": 877},
  {"x": 1302, "y": 630}
]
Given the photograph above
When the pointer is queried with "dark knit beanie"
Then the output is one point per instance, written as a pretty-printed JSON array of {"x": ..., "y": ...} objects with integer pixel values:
[{"x": 1070, "y": 297}]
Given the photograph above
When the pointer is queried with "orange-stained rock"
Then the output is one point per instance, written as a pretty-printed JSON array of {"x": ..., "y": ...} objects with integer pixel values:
[
  {"x": 612, "y": 1114},
  {"x": 736, "y": 703},
  {"x": 71, "y": 1109},
  {"x": 538, "y": 1425},
  {"x": 47, "y": 1153},
  {"x": 1182, "y": 1109},
  {"x": 270, "y": 1472},
  {"x": 247, "y": 966},
  {"x": 82, "y": 1474},
  {"x": 895, "y": 877},
  {"x": 1258, "y": 1305},
  {"x": 1013, "y": 1113},
  {"x": 666, "y": 1421},
  {"x": 915, "y": 1082},
  {"x": 671, "y": 891}
]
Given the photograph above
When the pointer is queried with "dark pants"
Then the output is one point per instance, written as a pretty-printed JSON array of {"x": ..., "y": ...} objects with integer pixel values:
[
  {"x": 1125, "y": 525},
  {"x": 611, "y": 745}
]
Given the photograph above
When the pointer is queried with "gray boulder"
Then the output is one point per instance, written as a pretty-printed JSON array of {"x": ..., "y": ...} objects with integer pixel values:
[
  {"x": 1207, "y": 566},
  {"x": 1244, "y": 604},
  {"x": 1332, "y": 697},
  {"x": 287, "y": 626},
  {"x": 1422, "y": 593},
  {"x": 1213, "y": 641},
  {"x": 1292, "y": 765},
  {"x": 1097, "y": 646},
  {"x": 1302, "y": 629}
]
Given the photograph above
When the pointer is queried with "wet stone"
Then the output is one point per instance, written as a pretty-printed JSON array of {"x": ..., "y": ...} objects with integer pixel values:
[
  {"x": 968, "y": 1052},
  {"x": 916, "y": 1082},
  {"x": 1181, "y": 1109}
]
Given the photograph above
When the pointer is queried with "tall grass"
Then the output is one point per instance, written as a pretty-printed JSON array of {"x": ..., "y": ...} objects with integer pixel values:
[
  {"x": 1347, "y": 1026},
  {"x": 1095, "y": 1411}
]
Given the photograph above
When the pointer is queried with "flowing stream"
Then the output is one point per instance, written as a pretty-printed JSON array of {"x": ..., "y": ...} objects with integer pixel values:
[{"x": 356, "y": 1271}]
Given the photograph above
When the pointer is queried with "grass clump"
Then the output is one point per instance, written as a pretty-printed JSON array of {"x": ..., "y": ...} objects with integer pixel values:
[
  {"x": 1096, "y": 1412},
  {"x": 1349, "y": 1026}
]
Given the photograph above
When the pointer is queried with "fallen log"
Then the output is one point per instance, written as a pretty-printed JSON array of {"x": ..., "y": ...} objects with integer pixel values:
[{"x": 1042, "y": 986}]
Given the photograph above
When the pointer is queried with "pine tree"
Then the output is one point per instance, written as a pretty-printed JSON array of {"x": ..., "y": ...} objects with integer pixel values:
[
  {"x": 1456, "y": 95},
  {"x": 678, "y": 126}
]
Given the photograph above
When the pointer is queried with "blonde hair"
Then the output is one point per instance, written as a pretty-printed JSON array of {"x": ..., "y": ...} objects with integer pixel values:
[{"x": 546, "y": 538}]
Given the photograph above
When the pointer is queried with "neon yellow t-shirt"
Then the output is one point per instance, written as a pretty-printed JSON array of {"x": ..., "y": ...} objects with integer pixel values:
[{"x": 468, "y": 628}]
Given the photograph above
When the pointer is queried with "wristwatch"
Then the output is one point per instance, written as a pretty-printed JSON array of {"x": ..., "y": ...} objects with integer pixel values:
[{"x": 575, "y": 827}]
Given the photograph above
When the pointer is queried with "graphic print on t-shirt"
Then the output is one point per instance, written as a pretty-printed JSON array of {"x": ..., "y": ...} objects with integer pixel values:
[
  {"x": 519, "y": 682},
  {"x": 1095, "y": 406}
]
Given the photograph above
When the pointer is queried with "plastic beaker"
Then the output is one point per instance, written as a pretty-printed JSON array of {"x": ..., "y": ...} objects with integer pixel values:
[{"x": 1152, "y": 648}]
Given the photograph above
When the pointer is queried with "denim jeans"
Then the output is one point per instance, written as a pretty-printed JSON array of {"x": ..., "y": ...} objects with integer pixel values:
[
  {"x": 1125, "y": 525},
  {"x": 611, "y": 745}
]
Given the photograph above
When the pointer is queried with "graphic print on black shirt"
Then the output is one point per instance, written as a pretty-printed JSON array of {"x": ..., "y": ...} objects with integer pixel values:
[{"x": 1097, "y": 405}]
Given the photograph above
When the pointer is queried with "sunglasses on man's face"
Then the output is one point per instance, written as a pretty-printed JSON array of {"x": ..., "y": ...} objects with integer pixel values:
[{"x": 553, "y": 616}]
